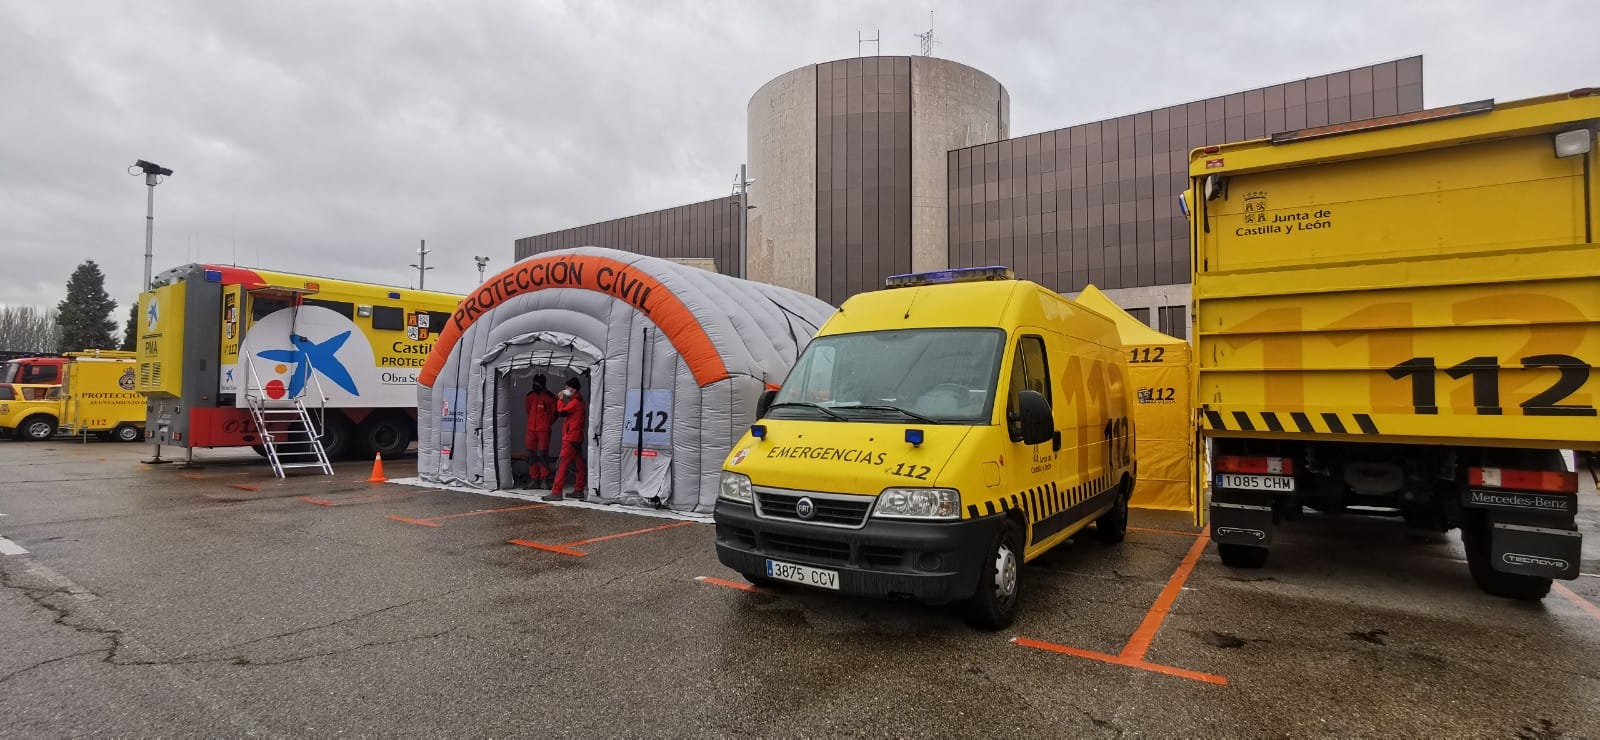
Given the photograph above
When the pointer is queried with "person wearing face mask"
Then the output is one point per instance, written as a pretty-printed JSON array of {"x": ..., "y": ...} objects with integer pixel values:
[{"x": 574, "y": 421}]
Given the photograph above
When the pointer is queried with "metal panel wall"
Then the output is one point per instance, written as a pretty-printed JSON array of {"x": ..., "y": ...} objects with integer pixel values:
[
  {"x": 1097, "y": 202},
  {"x": 708, "y": 229},
  {"x": 863, "y": 174}
]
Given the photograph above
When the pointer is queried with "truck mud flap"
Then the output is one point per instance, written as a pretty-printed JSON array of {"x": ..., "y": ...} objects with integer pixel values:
[
  {"x": 1241, "y": 519},
  {"x": 1536, "y": 551}
]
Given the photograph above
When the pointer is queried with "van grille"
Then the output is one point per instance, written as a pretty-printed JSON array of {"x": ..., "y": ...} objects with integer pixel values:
[
  {"x": 831, "y": 510},
  {"x": 807, "y": 547}
]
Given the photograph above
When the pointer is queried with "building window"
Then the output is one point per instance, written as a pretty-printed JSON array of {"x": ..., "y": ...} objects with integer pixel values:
[
  {"x": 1174, "y": 321},
  {"x": 1142, "y": 314}
]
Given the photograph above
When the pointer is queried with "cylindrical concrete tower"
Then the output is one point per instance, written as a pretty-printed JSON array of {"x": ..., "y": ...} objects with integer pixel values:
[{"x": 849, "y": 162}]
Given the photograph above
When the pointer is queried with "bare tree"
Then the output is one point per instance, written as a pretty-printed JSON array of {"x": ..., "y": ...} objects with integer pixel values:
[{"x": 28, "y": 329}]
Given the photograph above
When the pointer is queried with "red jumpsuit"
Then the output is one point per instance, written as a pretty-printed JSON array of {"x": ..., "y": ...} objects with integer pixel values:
[
  {"x": 572, "y": 431},
  {"x": 541, "y": 408}
]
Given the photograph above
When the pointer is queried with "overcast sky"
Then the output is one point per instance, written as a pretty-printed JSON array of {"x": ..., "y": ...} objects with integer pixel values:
[{"x": 328, "y": 138}]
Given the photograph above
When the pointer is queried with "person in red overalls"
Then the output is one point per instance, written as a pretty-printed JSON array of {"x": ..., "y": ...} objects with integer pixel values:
[
  {"x": 541, "y": 407},
  {"x": 570, "y": 406}
]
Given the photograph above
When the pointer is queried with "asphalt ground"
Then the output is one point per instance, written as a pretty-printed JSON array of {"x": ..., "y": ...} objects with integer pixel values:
[{"x": 221, "y": 601}]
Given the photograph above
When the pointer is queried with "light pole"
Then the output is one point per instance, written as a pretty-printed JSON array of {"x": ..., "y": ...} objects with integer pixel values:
[
  {"x": 481, "y": 262},
  {"x": 153, "y": 175},
  {"x": 741, "y": 200},
  {"x": 422, "y": 264}
]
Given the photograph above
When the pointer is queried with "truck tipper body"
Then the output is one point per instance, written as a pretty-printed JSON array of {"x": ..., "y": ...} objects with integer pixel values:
[
  {"x": 1402, "y": 317},
  {"x": 213, "y": 339}
]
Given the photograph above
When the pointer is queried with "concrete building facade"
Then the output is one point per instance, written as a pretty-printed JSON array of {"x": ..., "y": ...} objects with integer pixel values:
[
  {"x": 873, "y": 166},
  {"x": 849, "y": 160}
]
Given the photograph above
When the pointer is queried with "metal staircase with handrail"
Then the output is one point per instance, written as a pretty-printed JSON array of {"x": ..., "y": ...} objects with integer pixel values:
[{"x": 291, "y": 437}]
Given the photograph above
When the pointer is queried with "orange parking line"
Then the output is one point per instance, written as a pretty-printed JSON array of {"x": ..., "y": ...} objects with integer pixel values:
[
  {"x": 316, "y": 501},
  {"x": 366, "y": 497},
  {"x": 191, "y": 476},
  {"x": 1578, "y": 601},
  {"x": 1178, "y": 532},
  {"x": 243, "y": 487},
  {"x": 567, "y": 548},
  {"x": 729, "y": 584},
  {"x": 1125, "y": 662},
  {"x": 409, "y": 520},
  {"x": 433, "y": 521},
  {"x": 551, "y": 548},
  {"x": 1139, "y": 644},
  {"x": 629, "y": 534}
]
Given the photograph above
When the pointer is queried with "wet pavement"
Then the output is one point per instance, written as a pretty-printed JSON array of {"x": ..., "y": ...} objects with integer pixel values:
[{"x": 220, "y": 601}]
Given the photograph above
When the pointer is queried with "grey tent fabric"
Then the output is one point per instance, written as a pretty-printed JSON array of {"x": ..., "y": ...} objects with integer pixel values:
[{"x": 672, "y": 360}]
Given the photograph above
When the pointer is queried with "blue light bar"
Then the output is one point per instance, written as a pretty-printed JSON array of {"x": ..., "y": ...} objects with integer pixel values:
[
  {"x": 914, "y": 437},
  {"x": 213, "y": 276},
  {"x": 394, "y": 295},
  {"x": 759, "y": 431},
  {"x": 961, "y": 275}
]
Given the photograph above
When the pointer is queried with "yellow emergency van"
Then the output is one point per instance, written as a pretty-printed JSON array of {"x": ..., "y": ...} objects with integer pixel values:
[{"x": 934, "y": 436}]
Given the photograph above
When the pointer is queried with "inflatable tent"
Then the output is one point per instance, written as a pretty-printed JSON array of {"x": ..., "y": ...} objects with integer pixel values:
[
  {"x": 671, "y": 359},
  {"x": 1163, "y": 426}
]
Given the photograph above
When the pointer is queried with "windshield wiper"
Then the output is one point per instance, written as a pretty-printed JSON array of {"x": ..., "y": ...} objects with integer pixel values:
[
  {"x": 896, "y": 409},
  {"x": 805, "y": 404}
]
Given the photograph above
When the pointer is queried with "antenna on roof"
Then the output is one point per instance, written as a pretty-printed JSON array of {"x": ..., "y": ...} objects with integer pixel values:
[
  {"x": 928, "y": 41},
  {"x": 876, "y": 41}
]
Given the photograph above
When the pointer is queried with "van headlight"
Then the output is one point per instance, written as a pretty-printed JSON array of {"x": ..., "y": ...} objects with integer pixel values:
[
  {"x": 735, "y": 487},
  {"x": 918, "y": 503}
]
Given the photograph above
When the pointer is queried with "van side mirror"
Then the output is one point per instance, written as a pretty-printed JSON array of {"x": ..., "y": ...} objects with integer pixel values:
[
  {"x": 765, "y": 402},
  {"x": 1038, "y": 421}
]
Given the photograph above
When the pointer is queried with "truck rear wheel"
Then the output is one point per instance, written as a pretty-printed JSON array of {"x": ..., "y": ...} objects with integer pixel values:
[
  {"x": 37, "y": 428},
  {"x": 994, "y": 605},
  {"x": 1480, "y": 560},
  {"x": 127, "y": 433},
  {"x": 1242, "y": 556},
  {"x": 336, "y": 434},
  {"x": 385, "y": 434}
]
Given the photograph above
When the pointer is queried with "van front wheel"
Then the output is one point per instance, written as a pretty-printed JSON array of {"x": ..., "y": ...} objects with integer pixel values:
[
  {"x": 1242, "y": 556},
  {"x": 1112, "y": 526},
  {"x": 994, "y": 605},
  {"x": 37, "y": 428}
]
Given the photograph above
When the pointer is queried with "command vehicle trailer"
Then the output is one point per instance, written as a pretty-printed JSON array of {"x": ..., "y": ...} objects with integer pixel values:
[
  {"x": 1402, "y": 316},
  {"x": 931, "y": 438},
  {"x": 226, "y": 353}
]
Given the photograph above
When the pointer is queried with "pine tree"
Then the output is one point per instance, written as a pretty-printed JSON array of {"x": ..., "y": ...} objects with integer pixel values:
[
  {"x": 130, "y": 330},
  {"x": 85, "y": 314}
]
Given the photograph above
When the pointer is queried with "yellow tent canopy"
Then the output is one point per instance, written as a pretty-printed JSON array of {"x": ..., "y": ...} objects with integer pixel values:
[{"x": 1159, "y": 367}]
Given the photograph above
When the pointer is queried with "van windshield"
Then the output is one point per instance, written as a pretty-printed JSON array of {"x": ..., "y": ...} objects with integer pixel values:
[
  {"x": 8, "y": 372},
  {"x": 937, "y": 376}
]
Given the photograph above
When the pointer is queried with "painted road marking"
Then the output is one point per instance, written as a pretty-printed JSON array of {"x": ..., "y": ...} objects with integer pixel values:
[
  {"x": 1132, "y": 655},
  {"x": 729, "y": 584},
  {"x": 566, "y": 548},
  {"x": 1178, "y": 532},
  {"x": 7, "y": 547},
  {"x": 368, "y": 497},
  {"x": 243, "y": 487},
  {"x": 1578, "y": 601},
  {"x": 433, "y": 521}
]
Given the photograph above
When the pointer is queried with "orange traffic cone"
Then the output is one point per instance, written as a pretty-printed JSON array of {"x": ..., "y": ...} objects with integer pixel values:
[{"x": 377, "y": 469}]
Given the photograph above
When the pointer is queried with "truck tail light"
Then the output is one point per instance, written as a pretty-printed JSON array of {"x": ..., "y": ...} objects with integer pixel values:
[
  {"x": 1524, "y": 480},
  {"x": 1257, "y": 465}
]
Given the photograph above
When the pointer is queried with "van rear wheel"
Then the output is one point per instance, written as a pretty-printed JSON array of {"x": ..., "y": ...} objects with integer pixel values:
[
  {"x": 1112, "y": 526},
  {"x": 994, "y": 605}
]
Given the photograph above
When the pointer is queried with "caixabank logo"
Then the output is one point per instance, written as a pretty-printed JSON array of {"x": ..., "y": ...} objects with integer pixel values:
[{"x": 312, "y": 350}]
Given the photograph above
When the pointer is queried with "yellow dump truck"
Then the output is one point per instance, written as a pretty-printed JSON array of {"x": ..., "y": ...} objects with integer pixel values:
[{"x": 1402, "y": 317}]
